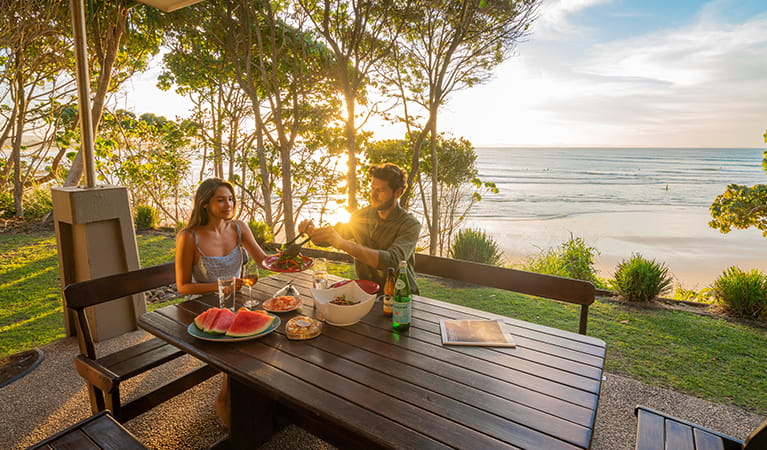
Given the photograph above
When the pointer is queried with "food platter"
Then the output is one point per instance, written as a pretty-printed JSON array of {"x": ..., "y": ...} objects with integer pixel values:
[
  {"x": 196, "y": 332},
  {"x": 368, "y": 286},
  {"x": 269, "y": 263},
  {"x": 268, "y": 305}
]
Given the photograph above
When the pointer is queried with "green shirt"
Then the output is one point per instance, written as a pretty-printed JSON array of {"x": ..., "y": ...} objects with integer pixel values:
[{"x": 395, "y": 238}]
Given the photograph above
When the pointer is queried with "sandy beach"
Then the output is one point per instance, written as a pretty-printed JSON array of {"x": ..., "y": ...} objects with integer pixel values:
[{"x": 694, "y": 253}]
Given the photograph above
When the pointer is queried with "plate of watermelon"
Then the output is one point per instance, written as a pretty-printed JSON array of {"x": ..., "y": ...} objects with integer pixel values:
[{"x": 223, "y": 325}]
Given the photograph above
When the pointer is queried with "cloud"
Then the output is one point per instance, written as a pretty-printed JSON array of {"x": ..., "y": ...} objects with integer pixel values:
[
  {"x": 553, "y": 22},
  {"x": 696, "y": 85}
]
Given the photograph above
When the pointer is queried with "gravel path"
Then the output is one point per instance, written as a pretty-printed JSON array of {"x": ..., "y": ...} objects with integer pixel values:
[{"x": 53, "y": 397}]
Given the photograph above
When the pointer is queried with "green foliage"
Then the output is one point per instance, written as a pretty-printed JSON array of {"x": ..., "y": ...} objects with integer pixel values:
[
  {"x": 146, "y": 217},
  {"x": 691, "y": 295},
  {"x": 572, "y": 259},
  {"x": 740, "y": 207},
  {"x": 477, "y": 246},
  {"x": 261, "y": 232},
  {"x": 641, "y": 280},
  {"x": 739, "y": 293},
  {"x": 37, "y": 203}
]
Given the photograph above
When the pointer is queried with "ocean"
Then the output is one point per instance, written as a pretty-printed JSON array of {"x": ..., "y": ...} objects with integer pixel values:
[
  {"x": 652, "y": 201},
  {"x": 545, "y": 183}
]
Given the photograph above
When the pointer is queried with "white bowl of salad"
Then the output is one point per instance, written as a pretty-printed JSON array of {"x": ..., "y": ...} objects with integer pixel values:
[{"x": 344, "y": 305}]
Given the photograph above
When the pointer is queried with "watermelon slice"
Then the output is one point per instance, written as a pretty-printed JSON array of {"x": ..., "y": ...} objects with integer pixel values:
[
  {"x": 249, "y": 323},
  {"x": 205, "y": 320},
  {"x": 200, "y": 320},
  {"x": 223, "y": 319}
]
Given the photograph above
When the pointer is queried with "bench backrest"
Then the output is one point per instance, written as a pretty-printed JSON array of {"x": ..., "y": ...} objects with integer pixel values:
[
  {"x": 87, "y": 293},
  {"x": 540, "y": 285}
]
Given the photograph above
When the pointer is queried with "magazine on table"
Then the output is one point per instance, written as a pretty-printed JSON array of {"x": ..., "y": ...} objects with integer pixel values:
[{"x": 489, "y": 333}]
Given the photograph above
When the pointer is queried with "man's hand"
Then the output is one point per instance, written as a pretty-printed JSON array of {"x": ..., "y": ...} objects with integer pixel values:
[
  {"x": 326, "y": 236},
  {"x": 306, "y": 226}
]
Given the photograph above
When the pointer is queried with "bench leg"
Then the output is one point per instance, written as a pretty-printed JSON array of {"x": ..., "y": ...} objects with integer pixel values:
[
  {"x": 113, "y": 403},
  {"x": 96, "y": 398}
]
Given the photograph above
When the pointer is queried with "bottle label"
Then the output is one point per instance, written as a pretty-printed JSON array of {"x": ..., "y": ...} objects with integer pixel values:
[
  {"x": 402, "y": 312},
  {"x": 400, "y": 284},
  {"x": 387, "y": 303}
]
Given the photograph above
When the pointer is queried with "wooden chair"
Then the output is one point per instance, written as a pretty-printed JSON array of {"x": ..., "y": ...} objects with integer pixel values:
[
  {"x": 659, "y": 431},
  {"x": 99, "y": 431},
  {"x": 105, "y": 374},
  {"x": 548, "y": 286}
]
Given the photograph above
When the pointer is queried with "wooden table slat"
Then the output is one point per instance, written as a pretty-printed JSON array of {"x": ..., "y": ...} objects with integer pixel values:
[{"x": 470, "y": 411}]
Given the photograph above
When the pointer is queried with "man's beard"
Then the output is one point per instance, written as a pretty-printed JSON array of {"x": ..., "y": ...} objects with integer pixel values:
[{"x": 386, "y": 205}]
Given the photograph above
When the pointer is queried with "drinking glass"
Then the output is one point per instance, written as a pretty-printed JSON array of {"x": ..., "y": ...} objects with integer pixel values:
[
  {"x": 249, "y": 279},
  {"x": 320, "y": 275},
  {"x": 227, "y": 288}
]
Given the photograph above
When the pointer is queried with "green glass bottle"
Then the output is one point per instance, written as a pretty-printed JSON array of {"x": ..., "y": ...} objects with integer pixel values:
[{"x": 402, "y": 307}]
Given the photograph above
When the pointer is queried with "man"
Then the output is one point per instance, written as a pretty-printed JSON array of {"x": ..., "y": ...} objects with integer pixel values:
[{"x": 380, "y": 235}]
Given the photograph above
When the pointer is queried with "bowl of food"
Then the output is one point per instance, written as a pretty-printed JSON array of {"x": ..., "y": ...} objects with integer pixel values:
[{"x": 344, "y": 305}]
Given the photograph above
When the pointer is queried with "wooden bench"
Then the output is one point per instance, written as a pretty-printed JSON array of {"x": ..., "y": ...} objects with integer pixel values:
[
  {"x": 99, "y": 431},
  {"x": 548, "y": 286},
  {"x": 104, "y": 374},
  {"x": 659, "y": 431}
]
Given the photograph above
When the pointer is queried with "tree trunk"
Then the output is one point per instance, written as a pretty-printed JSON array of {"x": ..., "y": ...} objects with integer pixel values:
[
  {"x": 266, "y": 190},
  {"x": 434, "y": 232},
  {"x": 415, "y": 165},
  {"x": 18, "y": 187},
  {"x": 351, "y": 148},
  {"x": 102, "y": 88}
]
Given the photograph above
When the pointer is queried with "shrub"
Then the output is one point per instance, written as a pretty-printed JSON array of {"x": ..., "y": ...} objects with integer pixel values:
[
  {"x": 261, "y": 232},
  {"x": 740, "y": 293},
  {"x": 37, "y": 203},
  {"x": 477, "y": 246},
  {"x": 640, "y": 280},
  {"x": 146, "y": 217},
  {"x": 572, "y": 259},
  {"x": 691, "y": 295}
]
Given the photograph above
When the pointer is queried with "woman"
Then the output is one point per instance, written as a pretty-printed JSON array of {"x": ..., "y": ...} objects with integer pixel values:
[{"x": 213, "y": 245}]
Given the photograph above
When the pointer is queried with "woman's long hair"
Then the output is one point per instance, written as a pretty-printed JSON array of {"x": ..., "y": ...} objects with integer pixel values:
[{"x": 202, "y": 197}]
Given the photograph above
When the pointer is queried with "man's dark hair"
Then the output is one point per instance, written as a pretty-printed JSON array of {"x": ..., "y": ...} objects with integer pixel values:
[{"x": 391, "y": 173}]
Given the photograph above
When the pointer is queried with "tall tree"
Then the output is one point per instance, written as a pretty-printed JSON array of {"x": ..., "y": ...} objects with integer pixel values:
[
  {"x": 197, "y": 64},
  {"x": 33, "y": 54},
  {"x": 450, "y": 46},
  {"x": 278, "y": 63},
  {"x": 359, "y": 33},
  {"x": 122, "y": 36}
]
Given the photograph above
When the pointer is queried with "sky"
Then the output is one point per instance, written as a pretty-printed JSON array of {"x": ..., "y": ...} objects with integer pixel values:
[{"x": 646, "y": 73}]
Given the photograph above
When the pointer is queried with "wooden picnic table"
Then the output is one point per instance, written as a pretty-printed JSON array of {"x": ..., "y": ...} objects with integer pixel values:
[{"x": 367, "y": 386}]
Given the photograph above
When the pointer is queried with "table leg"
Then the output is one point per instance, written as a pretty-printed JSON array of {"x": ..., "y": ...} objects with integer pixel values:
[{"x": 252, "y": 417}]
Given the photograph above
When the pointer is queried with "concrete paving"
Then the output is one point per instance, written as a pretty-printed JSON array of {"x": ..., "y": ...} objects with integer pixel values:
[{"x": 53, "y": 396}]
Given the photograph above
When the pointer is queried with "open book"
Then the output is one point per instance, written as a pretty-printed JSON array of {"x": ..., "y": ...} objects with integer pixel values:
[{"x": 475, "y": 332}]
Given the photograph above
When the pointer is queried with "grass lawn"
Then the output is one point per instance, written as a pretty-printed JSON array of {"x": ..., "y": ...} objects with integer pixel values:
[{"x": 706, "y": 356}]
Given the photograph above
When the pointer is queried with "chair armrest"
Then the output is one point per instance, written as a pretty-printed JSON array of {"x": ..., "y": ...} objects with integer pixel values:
[{"x": 96, "y": 374}]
